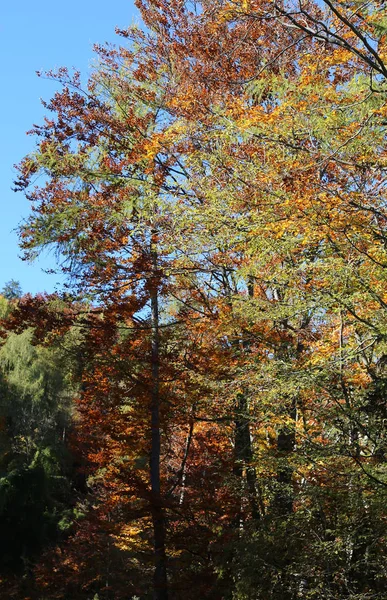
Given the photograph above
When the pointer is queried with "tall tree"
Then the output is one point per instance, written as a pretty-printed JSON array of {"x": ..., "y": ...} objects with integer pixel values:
[{"x": 218, "y": 191}]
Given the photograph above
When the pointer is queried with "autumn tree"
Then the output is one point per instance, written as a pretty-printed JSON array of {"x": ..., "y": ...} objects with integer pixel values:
[
  {"x": 288, "y": 158},
  {"x": 107, "y": 164},
  {"x": 217, "y": 192}
]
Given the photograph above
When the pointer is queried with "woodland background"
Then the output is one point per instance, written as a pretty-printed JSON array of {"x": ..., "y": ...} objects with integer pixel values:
[{"x": 201, "y": 412}]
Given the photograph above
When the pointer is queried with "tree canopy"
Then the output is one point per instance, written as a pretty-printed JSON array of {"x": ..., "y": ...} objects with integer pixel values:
[{"x": 216, "y": 196}]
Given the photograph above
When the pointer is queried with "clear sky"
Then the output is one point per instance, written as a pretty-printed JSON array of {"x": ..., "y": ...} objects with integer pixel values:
[{"x": 40, "y": 35}]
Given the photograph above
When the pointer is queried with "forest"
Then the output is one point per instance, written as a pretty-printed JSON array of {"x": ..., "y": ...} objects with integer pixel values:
[{"x": 200, "y": 412}]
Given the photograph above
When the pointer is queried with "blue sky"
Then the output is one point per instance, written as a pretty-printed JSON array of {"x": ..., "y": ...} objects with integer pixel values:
[{"x": 34, "y": 36}]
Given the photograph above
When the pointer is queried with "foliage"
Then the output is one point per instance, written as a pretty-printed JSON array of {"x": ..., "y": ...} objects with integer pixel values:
[
  {"x": 216, "y": 194},
  {"x": 37, "y": 486},
  {"x": 12, "y": 290}
]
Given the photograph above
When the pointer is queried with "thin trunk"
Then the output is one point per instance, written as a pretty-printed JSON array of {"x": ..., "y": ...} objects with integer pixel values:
[
  {"x": 160, "y": 590},
  {"x": 243, "y": 447},
  {"x": 243, "y": 453},
  {"x": 184, "y": 463},
  {"x": 283, "y": 501},
  {"x": 286, "y": 442}
]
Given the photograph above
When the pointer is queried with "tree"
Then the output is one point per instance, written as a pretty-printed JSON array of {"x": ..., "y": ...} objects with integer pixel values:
[
  {"x": 302, "y": 188},
  {"x": 110, "y": 176},
  {"x": 12, "y": 290},
  {"x": 38, "y": 490},
  {"x": 218, "y": 193}
]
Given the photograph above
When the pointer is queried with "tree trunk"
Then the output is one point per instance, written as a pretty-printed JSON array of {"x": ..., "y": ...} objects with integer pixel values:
[
  {"x": 243, "y": 453},
  {"x": 160, "y": 589},
  {"x": 286, "y": 442}
]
